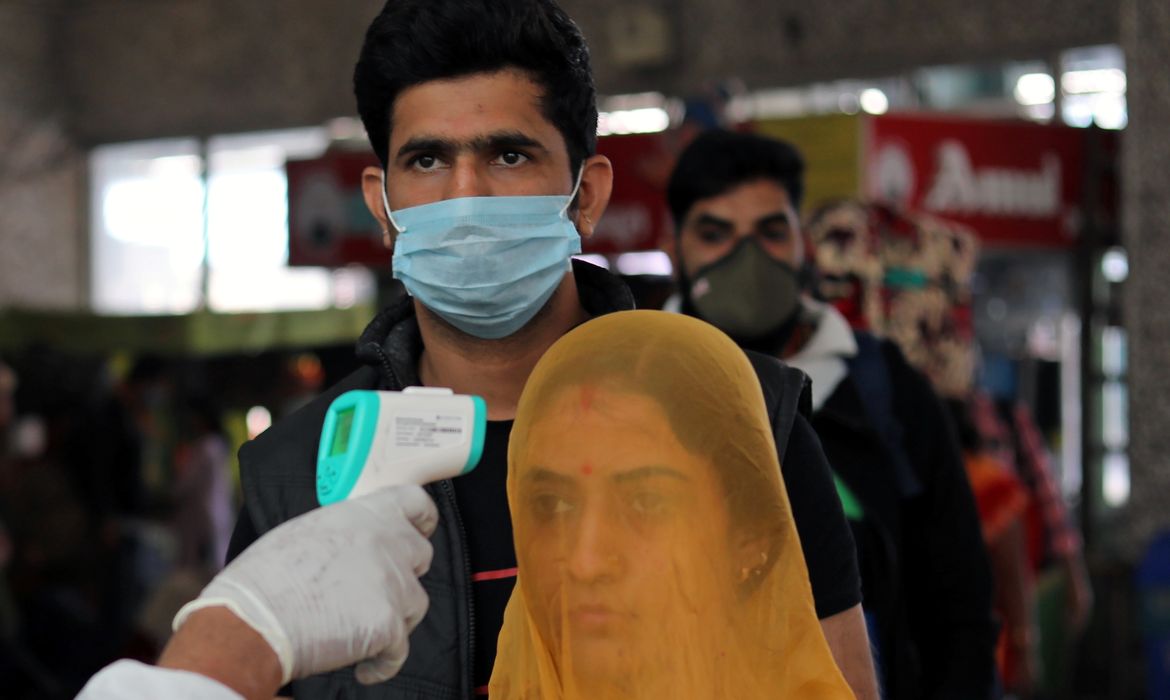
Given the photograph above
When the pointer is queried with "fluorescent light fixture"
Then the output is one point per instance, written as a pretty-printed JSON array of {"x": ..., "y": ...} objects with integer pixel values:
[
  {"x": 645, "y": 120},
  {"x": 874, "y": 101},
  {"x": 1082, "y": 82},
  {"x": 647, "y": 262},
  {"x": 1115, "y": 265},
  {"x": 1115, "y": 479},
  {"x": 258, "y": 419},
  {"x": 1035, "y": 89}
]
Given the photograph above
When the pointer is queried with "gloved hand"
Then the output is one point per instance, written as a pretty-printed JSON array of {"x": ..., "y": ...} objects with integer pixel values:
[{"x": 335, "y": 586}]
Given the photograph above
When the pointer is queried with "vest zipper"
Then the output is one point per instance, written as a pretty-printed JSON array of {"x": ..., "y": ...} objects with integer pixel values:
[{"x": 449, "y": 490}]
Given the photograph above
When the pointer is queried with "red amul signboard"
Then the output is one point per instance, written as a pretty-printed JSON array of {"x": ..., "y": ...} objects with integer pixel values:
[
  {"x": 636, "y": 218},
  {"x": 1016, "y": 183},
  {"x": 328, "y": 222},
  {"x": 330, "y": 226}
]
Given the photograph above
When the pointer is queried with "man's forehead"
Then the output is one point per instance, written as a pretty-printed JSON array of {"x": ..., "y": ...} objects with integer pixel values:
[
  {"x": 469, "y": 106},
  {"x": 755, "y": 200}
]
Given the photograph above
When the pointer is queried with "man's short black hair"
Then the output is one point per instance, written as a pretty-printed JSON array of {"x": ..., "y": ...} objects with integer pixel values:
[
  {"x": 718, "y": 161},
  {"x": 416, "y": 41}
]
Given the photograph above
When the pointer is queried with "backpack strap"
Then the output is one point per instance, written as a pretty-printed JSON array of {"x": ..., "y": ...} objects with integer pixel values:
[
  {"x": 787, "y": 391},
  {"x": 871, "y": 375}
]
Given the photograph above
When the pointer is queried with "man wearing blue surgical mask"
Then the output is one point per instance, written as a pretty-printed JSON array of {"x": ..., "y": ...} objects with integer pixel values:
[{"x": 483, "y": 116}]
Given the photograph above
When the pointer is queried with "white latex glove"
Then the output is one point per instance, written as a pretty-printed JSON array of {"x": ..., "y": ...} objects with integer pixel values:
[{"x": 335, "y": 586}]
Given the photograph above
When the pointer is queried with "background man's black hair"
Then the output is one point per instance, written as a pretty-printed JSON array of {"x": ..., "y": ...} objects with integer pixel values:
[
  {"x": 416, "y": 41},
  {"x": 718, "y": 161}
]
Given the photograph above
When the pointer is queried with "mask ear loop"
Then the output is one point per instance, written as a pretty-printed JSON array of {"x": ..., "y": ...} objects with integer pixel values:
[
  {"x": 386, "y": 207},
  {"x": 572, "y": 195}
]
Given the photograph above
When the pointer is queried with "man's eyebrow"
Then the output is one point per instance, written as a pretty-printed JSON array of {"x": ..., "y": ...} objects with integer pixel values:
[
  {"x": 496, "y": 141},
  {"x": 503, "y": 140},
  {"x": 769, "y": 219},
  {"x": 433, "y": 144},
  {"x": 649, "y": 472},
  {"x": 712, "y": 220}
]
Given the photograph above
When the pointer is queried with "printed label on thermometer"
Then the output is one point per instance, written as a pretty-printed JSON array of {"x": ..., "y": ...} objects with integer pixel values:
[{"x": 419, "y": 429}]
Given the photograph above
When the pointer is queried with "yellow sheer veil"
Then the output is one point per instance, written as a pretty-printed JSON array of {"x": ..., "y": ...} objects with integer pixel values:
[{"x": 657, "y": 554}]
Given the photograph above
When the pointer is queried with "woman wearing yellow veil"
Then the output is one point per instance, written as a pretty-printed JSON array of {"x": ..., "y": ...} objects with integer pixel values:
[{"x": 656, "y": 549}]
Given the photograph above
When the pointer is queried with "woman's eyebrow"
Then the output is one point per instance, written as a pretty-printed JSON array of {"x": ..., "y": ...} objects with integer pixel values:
[
  {"x": 648, "y": 472},
  {"x": 541, "y": 475}
]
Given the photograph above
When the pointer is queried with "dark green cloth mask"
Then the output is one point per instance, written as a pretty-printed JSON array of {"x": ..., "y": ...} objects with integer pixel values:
[{"x": 747, "y": 293}]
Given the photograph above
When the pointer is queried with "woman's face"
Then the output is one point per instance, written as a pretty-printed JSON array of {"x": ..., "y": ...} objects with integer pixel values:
[{"x": 623, "y": 535}]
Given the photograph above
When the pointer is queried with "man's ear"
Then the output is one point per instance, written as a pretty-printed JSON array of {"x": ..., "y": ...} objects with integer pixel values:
[
  {"x": 593, "y": 196},
  {"x": 372, "y": 190},
  {"x": 668, "y": 243}
]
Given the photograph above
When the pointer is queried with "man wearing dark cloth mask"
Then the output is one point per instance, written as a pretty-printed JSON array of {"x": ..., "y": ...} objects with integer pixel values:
[
  {"x": 483, "y": 116},
  {"x": 740, "y": 261}
]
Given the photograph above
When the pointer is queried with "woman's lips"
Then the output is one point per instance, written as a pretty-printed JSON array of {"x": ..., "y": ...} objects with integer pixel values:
[{"x": 594, "y": 617}]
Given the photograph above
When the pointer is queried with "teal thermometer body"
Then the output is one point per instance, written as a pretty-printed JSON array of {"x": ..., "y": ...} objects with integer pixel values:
[{"x": 374, "y": 439}]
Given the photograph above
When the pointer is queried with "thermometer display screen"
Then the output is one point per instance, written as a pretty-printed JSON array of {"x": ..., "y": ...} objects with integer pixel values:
[{"x": 341, "y": 432}]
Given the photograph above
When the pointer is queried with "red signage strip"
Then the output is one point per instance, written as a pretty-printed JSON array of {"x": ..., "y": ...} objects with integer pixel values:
[{"x": 1014, "y": 182}]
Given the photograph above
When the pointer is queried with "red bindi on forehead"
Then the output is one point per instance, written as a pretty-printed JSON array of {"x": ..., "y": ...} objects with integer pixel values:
[{"x": 586, "y": 469}]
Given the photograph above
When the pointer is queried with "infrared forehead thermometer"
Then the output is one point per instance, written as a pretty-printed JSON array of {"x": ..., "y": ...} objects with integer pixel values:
[{"x": 374, "y": 439}]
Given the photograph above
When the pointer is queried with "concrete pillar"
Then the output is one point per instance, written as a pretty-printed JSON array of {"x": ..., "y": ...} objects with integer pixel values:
[
  {"x": 1145, "y": 176},
  {"x": 43, "y": 261}
]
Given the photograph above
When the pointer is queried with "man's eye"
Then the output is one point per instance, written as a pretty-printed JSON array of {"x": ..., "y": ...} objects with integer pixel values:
[
  {"x": 424, "y": 162},
  {"x": 711, "y": 235},
  {"x": 774, "y": 233},
  {"x": 511, "y": 158}
]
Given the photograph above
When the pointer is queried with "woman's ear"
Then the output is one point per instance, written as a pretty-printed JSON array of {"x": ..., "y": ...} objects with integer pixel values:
[
  {"x": 751, "y": 557},
  {"x": 593, "y": 196}
]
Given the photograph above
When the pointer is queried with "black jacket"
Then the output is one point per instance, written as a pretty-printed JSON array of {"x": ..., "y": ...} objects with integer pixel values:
[
  {"x": 278, "y": 468},
  {"x": 926, "y": 571}
]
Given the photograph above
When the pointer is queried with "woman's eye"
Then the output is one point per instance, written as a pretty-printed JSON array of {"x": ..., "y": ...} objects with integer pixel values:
[
  {"x": 550, "y": 505},
  {"x": 649, "y": 503},
  {"x": 511, "y": 158}
]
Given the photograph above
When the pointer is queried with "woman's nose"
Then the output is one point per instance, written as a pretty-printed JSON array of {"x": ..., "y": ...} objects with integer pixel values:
[{"x": 595, "y": 548}]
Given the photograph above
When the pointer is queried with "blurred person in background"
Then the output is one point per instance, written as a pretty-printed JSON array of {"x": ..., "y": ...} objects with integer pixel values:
[
  {"x": 924, "y": 267},
  {"x": 7, "y": 405},
  {"x": 1055, "y": 552},
  {"x": 924, "y": 306},
  {"x": 117, "y": 451},
  {"x": 52, "y": 636},
  {"x": 1002, "y": 501},
  {"x": 483, "y": 116},
  {"x": 741, "y": 265},
  {"x": 335, "y": 587},
  {"x": 198, "y": 514},
  {"x": 908, "y": 276},
  {"x": 202, "y": 489}
]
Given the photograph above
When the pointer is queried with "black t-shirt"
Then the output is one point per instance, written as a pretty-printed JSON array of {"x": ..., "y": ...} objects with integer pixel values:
[{"x": 483, "y": 504}]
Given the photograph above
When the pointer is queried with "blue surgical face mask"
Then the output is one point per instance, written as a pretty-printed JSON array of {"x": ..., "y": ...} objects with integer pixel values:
[{"x": 486, "y": 265}]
